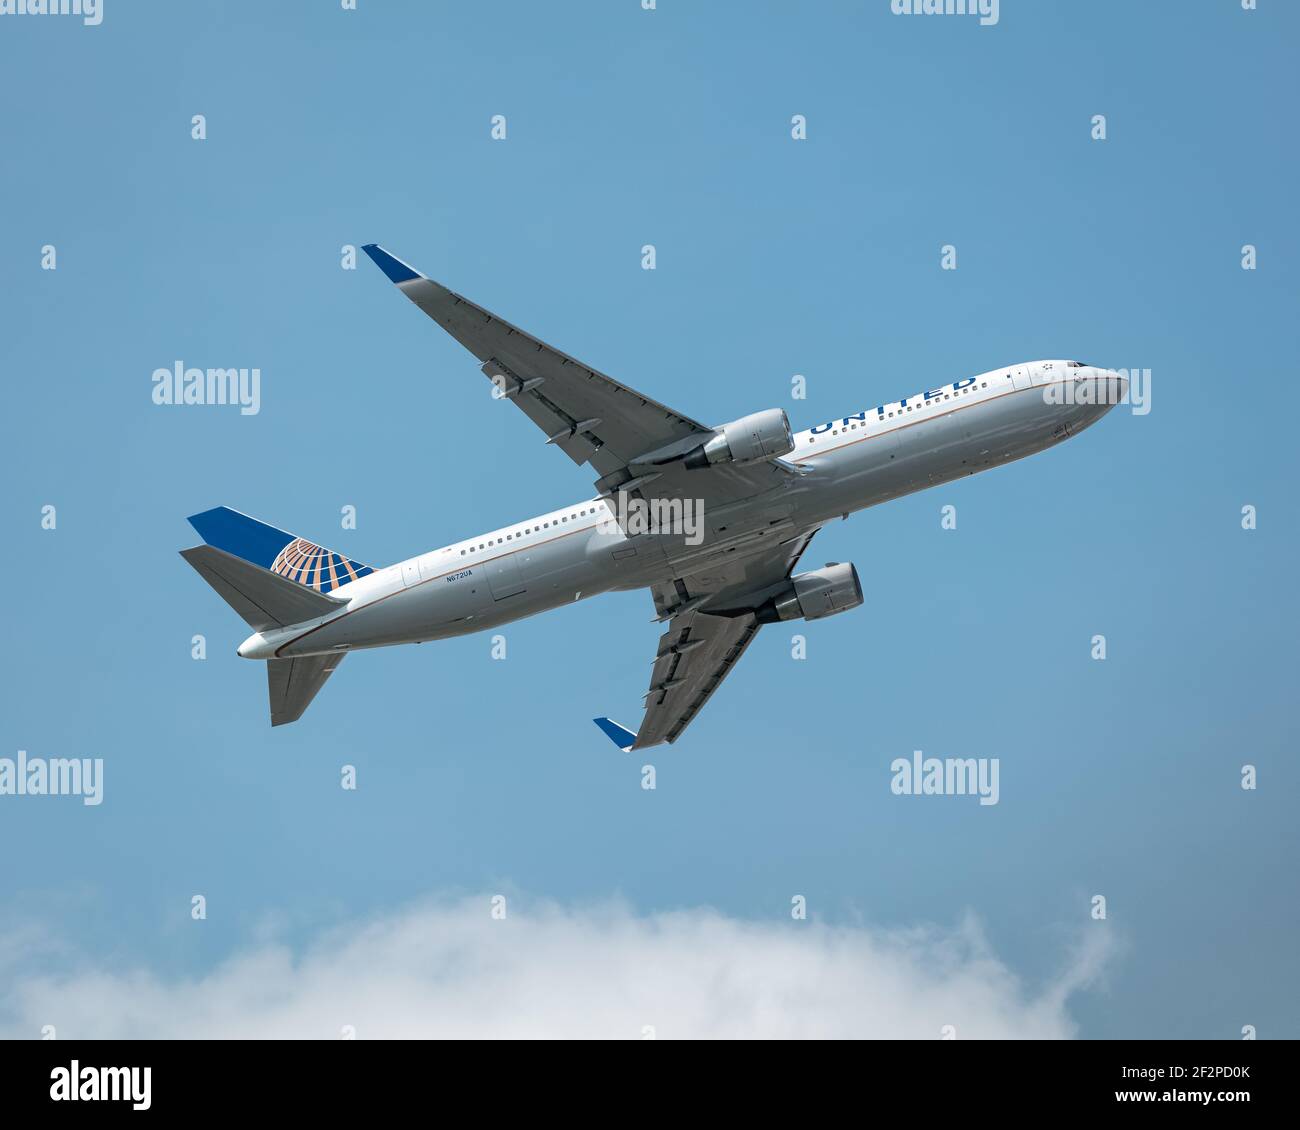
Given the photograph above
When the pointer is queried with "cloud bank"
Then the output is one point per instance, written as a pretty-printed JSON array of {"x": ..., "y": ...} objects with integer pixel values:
[{"x": 545, "y": 971}]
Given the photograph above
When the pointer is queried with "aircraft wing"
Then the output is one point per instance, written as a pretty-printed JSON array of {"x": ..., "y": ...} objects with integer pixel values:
[
  {"x": 700, "y": 646},
  {"x": 592, "y": 418},
  {"x": 293, "y": 683}
]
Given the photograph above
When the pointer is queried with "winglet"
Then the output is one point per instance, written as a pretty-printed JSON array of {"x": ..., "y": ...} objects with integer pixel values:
[
  {"x": 393, "y": 267},
  {"x": 621, "y": 736}
]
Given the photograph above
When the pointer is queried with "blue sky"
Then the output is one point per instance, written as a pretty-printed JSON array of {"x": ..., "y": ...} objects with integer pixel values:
[{"x": 774, "y": 257}]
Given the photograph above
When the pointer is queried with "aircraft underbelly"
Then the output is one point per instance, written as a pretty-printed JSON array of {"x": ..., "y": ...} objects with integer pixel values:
[{"x": 535, "y": 578}]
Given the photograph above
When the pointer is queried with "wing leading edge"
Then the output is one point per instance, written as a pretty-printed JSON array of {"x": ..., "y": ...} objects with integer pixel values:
[
  {"x": 592, "y": 418},
  {"x": 589, "y": 416}
]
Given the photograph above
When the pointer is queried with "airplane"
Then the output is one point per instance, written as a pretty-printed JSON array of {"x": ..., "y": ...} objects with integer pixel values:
[{"x": 725, "y": 514}]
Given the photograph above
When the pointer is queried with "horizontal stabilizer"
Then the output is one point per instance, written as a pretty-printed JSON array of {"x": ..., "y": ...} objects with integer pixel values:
[
  {"x": 621, "y": 736},
  {"x": 265, "y": 600},
  {"x": 293, "y": 683}
]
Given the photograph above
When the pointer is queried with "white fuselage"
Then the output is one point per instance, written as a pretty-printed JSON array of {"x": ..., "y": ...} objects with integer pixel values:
[{"x": 576, "y": 552}]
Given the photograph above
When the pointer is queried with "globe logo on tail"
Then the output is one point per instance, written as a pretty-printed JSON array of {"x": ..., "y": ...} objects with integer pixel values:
[{"x": 316, "y": 567}]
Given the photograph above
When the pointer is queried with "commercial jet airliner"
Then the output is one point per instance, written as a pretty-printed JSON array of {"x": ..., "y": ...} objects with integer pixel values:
[{"x": 712, "y": 520}]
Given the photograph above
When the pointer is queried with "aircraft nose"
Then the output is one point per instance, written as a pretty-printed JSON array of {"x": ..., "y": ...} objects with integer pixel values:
[{"x": 1109, "y": 387}]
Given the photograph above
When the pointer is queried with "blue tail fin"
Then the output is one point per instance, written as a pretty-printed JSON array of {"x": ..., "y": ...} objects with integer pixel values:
[{"x": 293, "y": 557}]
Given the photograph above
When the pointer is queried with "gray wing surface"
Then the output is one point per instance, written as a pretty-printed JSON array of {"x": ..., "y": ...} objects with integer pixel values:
[
  {"x": 589, "y": 416},
  {"x": 700, "y": 647}
]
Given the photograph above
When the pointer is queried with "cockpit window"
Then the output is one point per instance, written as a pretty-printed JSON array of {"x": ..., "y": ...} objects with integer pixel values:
[{"x": 1074, "y": 364}]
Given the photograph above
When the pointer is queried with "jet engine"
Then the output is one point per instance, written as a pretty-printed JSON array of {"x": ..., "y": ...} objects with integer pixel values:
[
  {"x": 751, "y": 439},
  {"x": 815, "y": 595}
]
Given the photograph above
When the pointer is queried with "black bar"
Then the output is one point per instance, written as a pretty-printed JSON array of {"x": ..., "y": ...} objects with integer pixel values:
[{"x": 338, "y": 1078}]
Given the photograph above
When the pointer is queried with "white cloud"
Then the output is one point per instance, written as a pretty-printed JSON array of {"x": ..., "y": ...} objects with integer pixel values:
[{"x": 450, "y": 970}]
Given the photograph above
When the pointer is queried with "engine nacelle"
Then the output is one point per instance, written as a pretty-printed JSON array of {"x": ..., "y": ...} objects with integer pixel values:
[
  {"x": 751, "y": 439},
  {"x": 815, "y": 595}
]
